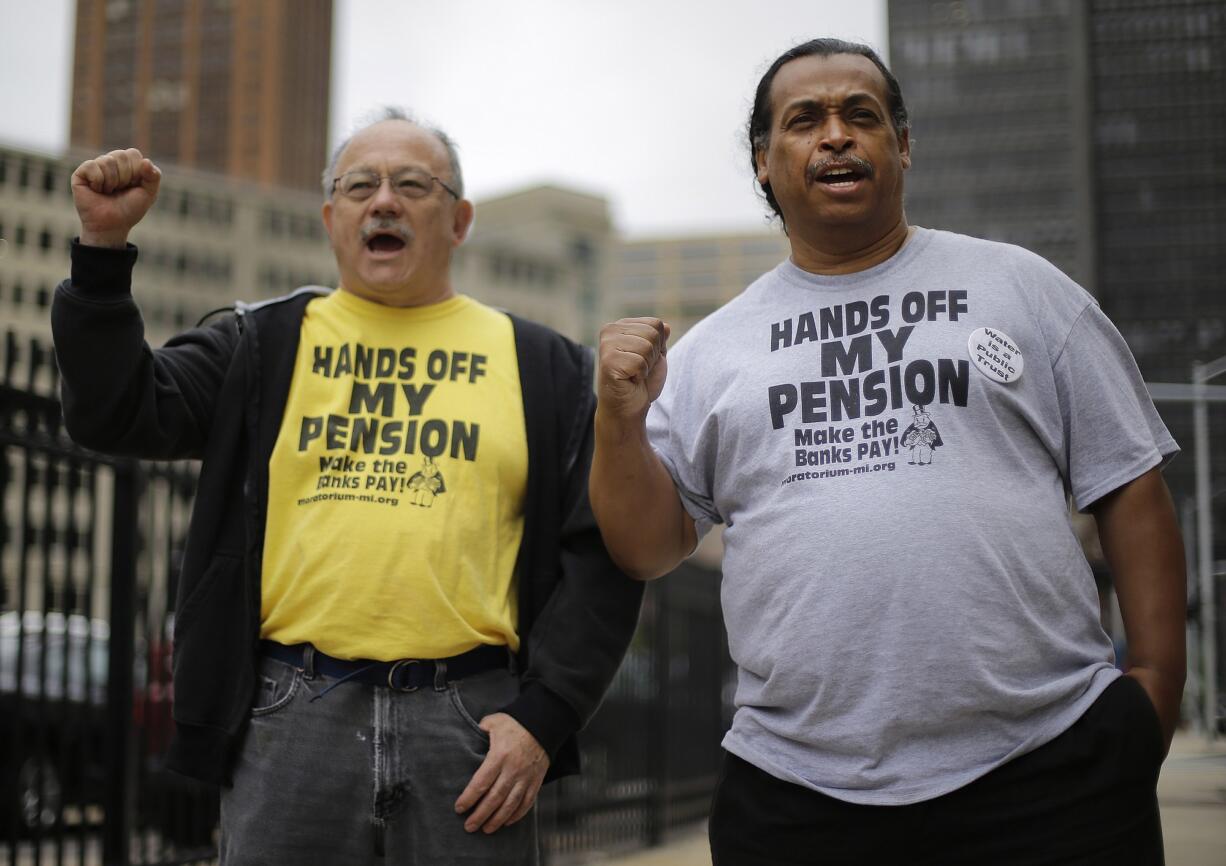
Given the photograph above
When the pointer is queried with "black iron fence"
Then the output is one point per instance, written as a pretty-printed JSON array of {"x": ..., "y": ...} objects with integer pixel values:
[{"x": 89, "y": 555}]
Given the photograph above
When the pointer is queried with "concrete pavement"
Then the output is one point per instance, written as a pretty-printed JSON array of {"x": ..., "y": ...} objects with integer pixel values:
[{"x": 1191, "y": 794}]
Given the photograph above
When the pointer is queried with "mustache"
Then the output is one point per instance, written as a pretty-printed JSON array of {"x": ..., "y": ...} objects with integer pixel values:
[
  {"x": 386, "y": 226},
  {"x": 858, "y": 163}
]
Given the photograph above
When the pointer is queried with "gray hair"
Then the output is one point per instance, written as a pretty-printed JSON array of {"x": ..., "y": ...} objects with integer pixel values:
[{"x": 456, "y": 180}]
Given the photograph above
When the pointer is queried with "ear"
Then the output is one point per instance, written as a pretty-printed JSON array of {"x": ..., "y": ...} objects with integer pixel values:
[
  {"x": 759, "y": 158},
  {"x": 326, "y": 212},
  {"x": 904, "y": 148},
  {"x": 464, "y": 214}
]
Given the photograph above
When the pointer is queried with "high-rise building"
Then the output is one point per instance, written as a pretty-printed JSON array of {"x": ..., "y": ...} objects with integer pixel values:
[
  {"x": 218, "y": 85},
  {"x": 999, "y": 104},
  {"x": 1089, "y": 132},
  {"x": 1092, "y": 132}
]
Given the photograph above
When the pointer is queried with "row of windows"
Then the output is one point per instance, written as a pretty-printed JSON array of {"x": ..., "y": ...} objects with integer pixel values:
[
  {"x": 278, "y": 280},
  {"x": 49, "y": 177},
  {"x": 1001, "y": 191},
  {"x": 510, "y": 268},
  {"x": 204, "y": 208},
  {"x": 18, "y": 294},
  {"x": 276, "y": 223},
  {"x": 184, "y": 263},
  {"x": 1145, "y": 25},
  {"x": 707, "y": 250},
  {"x": 28, "y": 174},
  {"x": 989, "y": 46},
  {"x": 169, "y": 314},
  {"x": 1149, "y": 337},
  {"x": 688, "y": 308},
  {"x": 696, "y": 280},
  {"x": 1173, "y": 240},
  {"x": 963, "y": 12},
  {"x": 20, "y": 236}
]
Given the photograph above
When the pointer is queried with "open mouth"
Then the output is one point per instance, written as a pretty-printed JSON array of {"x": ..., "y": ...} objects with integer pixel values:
[
  {"x": 385, "y": 243},
  {"x": 841, "y": 177},
  {"x": 840, "y": 173}
]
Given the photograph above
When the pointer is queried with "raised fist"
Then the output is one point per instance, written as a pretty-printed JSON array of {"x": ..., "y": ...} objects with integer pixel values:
[
  {"x": 112, "y": 193},
  {"x": 633, "y": 366}
]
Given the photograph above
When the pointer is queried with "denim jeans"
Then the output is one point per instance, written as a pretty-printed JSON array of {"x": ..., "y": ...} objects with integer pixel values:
[{"x": 364, "y": 774}]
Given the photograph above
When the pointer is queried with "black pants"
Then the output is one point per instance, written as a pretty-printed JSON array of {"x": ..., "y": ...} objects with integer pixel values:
[{"x": 1086, "y": 798}]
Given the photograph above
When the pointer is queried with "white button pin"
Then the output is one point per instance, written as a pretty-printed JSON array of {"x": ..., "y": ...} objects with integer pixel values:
[{"x": 996, "y": 355}]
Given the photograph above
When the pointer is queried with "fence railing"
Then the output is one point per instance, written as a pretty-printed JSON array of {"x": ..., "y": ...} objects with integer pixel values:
[{"x": 89, "y": 556}]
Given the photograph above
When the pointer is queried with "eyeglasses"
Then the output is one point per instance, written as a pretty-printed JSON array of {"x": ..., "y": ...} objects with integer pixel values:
[{"x": 410, "y": 183}]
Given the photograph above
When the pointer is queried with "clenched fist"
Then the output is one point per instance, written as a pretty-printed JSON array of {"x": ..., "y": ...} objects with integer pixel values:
[
  {"x": 112, "y": 193},
  {"x": 633, "y": 366}
]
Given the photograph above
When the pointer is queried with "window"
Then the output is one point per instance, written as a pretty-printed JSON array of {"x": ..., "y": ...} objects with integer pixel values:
[
  {"x": 640, "y": 254},
  {"x": 762, "y": 247},
  {"x": 640, "y": 282},
  {"x": 699, "y": 251},
  {"x": 701, "y": 280}
]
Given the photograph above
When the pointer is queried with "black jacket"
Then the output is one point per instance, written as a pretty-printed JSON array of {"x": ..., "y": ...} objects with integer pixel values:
[{"x": 217, "y": 393}]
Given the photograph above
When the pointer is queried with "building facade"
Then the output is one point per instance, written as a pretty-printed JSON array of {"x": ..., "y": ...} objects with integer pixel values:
[
  {"x": 548, "y": 253},
  {"x": 208, "y": 241},
  {"x": 684, "y": 279},
  {"x": 232, "y": 88}
]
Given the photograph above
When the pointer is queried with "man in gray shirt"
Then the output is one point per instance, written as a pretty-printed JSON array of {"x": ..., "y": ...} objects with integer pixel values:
[{"x": 889, "y": 426}]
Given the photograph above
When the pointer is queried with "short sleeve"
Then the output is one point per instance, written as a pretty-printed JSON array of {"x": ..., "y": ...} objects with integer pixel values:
[
  {"x": 684, "y": 437},
  {"x": 1112, "y": 432}
]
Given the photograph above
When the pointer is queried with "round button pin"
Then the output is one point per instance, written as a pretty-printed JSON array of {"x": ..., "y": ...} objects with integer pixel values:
[{"x": 996, "y": 355}]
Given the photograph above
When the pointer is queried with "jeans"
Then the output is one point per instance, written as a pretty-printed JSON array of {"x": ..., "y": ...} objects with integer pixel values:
[{"x": 364, "y": 774}]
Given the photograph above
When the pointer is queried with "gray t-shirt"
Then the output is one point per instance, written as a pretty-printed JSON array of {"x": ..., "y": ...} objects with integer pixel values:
[{"x": 890, "y": 453}]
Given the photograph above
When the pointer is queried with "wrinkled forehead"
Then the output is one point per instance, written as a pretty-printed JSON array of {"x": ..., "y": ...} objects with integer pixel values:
[
  {"x": 832, "y": 79},
  {"x": 394, "y": 144}
]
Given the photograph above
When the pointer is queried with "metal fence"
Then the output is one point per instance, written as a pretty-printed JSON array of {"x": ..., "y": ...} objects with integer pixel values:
[{"x": 89, "y": 555}]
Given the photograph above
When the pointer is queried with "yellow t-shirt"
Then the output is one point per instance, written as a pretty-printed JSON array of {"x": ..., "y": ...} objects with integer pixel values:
[{"x": 396, "y": 486}]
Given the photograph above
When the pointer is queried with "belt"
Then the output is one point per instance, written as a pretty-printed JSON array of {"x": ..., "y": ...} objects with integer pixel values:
[{"x": 405, "y": 675}]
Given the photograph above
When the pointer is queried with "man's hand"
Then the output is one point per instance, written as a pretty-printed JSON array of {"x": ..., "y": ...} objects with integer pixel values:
[
  {"x": 112, "y": 193},
  {"x": 1165, "y": 693},
  {"x": 505, "y": 786},
  {"x": 641, "y": 519},
  {"x": 1141, "y": 541},
  {"x": 633, "y": 366}
]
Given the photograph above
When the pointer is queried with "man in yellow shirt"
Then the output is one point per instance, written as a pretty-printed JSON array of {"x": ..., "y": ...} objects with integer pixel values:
[{"x": 395, "y": 609}]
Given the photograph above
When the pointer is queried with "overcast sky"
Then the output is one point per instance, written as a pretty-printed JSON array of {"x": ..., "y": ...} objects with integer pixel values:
[{"x": 642, "y": 101}]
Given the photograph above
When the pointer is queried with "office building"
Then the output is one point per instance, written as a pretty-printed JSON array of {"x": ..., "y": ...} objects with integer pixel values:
[{"x": 234, "y": 88}]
